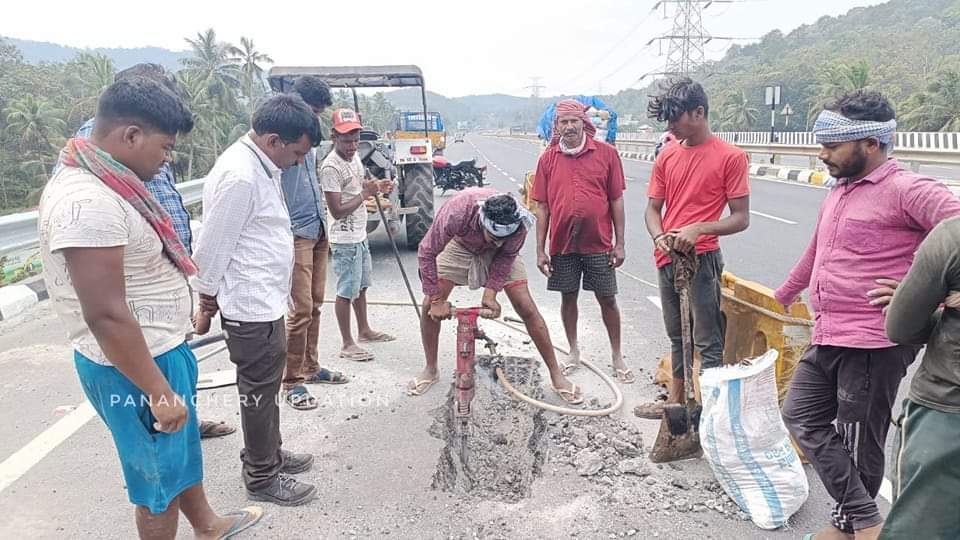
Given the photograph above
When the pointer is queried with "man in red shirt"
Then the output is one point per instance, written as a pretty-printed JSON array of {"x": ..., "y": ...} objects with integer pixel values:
[
  {"x": 579, "y": 187},
  {"x": 696, "y": 177}
]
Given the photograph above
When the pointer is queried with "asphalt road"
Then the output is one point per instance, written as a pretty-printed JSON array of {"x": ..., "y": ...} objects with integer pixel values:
[{"x": 60, "y": 478}]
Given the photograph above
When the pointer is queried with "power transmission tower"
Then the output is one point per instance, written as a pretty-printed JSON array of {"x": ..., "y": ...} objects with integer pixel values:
[
  {"x": 687, "y": 40},
  {"x": 535, "y": 87}
]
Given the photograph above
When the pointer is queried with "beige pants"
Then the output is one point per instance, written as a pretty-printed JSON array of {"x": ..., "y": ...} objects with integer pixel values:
[{"x": 458, "y": 265}]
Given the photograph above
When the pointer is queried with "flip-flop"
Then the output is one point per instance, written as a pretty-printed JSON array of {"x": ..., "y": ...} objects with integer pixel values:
[
  {"x": 325, "y": 376},
  {"x": 420, "y": 386},
  {"x": 212, "y": 430},
  {"x": 357, "y": 356},
  {"x": 625, "y": 376},
  {"x": 572, "y": 396},
  {"x": 379, "y": 337},
  {"x": 249, "y": 517},
  {"x": 568, "y": 367}
]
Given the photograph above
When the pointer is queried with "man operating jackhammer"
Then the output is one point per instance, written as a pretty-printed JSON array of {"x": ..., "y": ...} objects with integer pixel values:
[{"x": 474, "y": 241}]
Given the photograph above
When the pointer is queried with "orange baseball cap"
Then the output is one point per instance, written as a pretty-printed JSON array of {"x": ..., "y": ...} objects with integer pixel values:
[{"x": 346, "y": 120}]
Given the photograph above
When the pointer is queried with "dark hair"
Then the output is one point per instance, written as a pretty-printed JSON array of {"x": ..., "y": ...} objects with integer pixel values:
[
  {"x": 501, "y": 209},
  {"x": 314, "y": 91},
  {"x": 144, "y": 101},
  {"x": 288, "y": 116},
  {"x": 676, "y": 97},
  {"x": 863, "y": 105},
  {"x": 154, "y": 72}
]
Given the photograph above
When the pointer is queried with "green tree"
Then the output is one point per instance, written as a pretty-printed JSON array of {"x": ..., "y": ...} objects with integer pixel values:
[
  {"x": 937, "y": 109},
  {"x": 215, "y": 66},
  {"x": 250, "y": 60},
  {"x": 37, "y": 123},
  {"x": 737, "y": 113},
  {"x": 90, "y": 75}
]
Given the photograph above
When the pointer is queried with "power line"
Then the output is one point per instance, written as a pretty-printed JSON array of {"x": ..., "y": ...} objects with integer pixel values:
[
  {"x": 610, "y": 51},
  {"x": 687, "y": 40}
]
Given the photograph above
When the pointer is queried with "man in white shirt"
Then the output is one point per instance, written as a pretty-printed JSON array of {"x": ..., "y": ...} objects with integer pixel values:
[
  {"x": 117, "y": 275},
  {"x": 346, "y": 185},
  {"x": 245, "y": 257}
]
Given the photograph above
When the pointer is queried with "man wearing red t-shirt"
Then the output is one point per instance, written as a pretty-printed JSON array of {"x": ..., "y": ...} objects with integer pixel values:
[
  {"x": 579, "y": 187},
  {"x": 697, "y": 177}
]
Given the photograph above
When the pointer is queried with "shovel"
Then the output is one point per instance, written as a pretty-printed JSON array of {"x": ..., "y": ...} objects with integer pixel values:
[{"x": 679, "y": 436}]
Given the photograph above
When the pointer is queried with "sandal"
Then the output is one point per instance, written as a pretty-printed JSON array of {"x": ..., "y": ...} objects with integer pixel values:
[
  {"x": 357, "y": 356},
  {"x": 419, "y": 387},
  {"x": 379, "y": 337},
  {"x": 568, "y": 367},
  {"x": 249, "y": 517},
  {"x": 212, "y": 430},
  {"x": 572, "y": 396},
  {"x": 650, "y": 411},
  {"x": 300, "y": 399},
  {"x": 325, "y": 376},
  {"x": 625, "y": 376}
]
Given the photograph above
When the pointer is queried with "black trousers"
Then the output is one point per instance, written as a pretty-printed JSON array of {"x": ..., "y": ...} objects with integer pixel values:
[
  {"x": 259, "y": 350},
  {"x": 838, "y": 409}
]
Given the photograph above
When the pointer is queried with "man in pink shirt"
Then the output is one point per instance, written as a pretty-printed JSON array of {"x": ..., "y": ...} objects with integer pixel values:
[{"x": 869, "y": 227}]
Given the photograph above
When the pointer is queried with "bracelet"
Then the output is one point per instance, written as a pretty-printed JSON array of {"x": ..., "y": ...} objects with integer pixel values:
[{"x": 658, "y": 237}]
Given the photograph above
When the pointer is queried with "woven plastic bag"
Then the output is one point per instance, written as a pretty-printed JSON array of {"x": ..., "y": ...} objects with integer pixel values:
[{"x": 747, "y": 444}]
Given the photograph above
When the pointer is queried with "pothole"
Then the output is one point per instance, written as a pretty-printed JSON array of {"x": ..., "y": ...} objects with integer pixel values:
[{"x": 501, "y": 449}]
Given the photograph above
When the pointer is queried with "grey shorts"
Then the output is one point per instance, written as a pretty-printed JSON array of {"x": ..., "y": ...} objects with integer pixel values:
[{"x": 594, "y": 270}]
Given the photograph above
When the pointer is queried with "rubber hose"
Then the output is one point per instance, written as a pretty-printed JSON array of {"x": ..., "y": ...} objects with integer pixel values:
[{"x": 501, "y": 376}]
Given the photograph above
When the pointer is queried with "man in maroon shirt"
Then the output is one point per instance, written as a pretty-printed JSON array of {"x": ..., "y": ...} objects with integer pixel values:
[
  {"x": 474, "y": 240},
  {"x": 579, "y": 189}
]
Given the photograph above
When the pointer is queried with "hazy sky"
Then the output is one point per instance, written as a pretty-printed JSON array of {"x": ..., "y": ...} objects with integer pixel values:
[{"x": 475, "y": 47}]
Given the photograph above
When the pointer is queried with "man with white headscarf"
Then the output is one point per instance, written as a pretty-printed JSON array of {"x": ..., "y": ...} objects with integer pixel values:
[
  {"x": 839, "y": 403},
  {"x": 475, "y": 241}
]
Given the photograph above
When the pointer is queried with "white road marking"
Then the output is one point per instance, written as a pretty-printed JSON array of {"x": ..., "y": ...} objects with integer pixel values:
[
  {"x": 641, "y": 280},
  {"x": 787, "y": 182},
  {"x": 886, "y": 490},
  {"x": 775, "y": 218},
  {"x": 656, "y": 302},
  {"x": 24, "y": 459},
  {"x": 512, "y": 179}
]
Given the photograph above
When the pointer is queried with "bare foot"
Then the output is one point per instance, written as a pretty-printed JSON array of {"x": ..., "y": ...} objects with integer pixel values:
[
  {"x": 423, "y": 382},
  {"x": 560, "y": 381},
  {"x": 870, "y": 533},
  {"x": 573, "y": 361},
  {"x": 373, "y": 336},
  {"x": 233, "y": 522},
  {"x": 832, "y": 533}
]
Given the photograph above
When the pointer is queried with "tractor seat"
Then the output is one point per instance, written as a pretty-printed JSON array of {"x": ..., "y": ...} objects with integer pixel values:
[{"x": 466, "y": 164}]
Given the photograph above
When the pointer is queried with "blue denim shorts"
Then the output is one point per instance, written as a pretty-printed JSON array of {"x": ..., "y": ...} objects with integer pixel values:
[
  {"x": 352, "y": 265},
  {"x": 157, "y": 467}
]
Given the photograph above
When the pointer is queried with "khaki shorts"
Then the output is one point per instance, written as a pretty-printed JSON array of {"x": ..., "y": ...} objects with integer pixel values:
[{"x": 458, "y": 265}]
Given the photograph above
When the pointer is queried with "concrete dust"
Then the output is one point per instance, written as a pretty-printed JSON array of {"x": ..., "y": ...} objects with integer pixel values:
[{"x": 500, "y": 450}]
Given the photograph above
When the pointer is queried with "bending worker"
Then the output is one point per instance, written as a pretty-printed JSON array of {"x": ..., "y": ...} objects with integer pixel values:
[{"x": 474, "y": 241}]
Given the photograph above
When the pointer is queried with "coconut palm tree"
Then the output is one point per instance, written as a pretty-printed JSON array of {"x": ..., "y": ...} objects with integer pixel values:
[
  {"x": 214, "y": 64},
  {"x": 737, "y": 114},
  {"x": 250, "y": 59},
  {"x": 36, "y": 122},
  {"x": 836, "y": 80},
  {"x": 944, "y": 101},
  {"x": 90, "y": 75}
]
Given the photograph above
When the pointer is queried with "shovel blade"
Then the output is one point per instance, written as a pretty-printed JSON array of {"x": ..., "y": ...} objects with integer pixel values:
[{"x": 679, "y": 436}]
